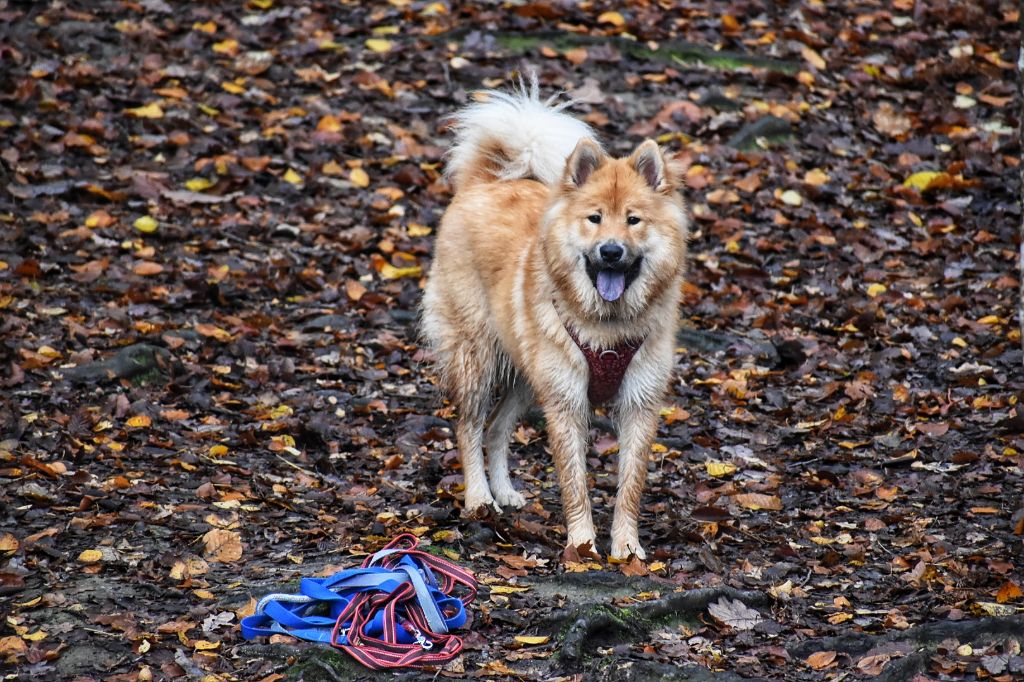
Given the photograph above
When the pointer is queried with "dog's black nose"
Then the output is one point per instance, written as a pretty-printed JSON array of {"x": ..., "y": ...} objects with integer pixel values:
[{"x": 611, "y": 253}]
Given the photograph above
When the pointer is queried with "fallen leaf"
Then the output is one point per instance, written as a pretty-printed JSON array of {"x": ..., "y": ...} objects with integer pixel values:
[
  {"x": 90, "y": 556},
  {"x": 147, "y": 268},
  {"x": 757, "y": 501},
  {"x": 378, "y": 45},
  {"x": 359, "y": 178},
  {"x": 821, "y": 659},
  {"x": 146, "y": 224},
  {"x": 734, "y": 613},
  {"x": 533, "y": 640},
  {"x": 718, "y": 469},
  {"x": 151, "y": 110},
  {"x": 613, "y": 18},
  {"x": 222, "y": 546}
]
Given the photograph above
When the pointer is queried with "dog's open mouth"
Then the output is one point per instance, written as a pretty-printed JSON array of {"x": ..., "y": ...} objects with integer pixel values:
[{"x": 611, "y": 283}]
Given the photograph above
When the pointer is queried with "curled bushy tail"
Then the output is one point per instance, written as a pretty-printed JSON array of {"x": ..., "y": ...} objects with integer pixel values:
[{"x": 514, "y": 135}]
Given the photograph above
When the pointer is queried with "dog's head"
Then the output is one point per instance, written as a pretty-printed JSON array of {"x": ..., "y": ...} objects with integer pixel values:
[{"x": 616, "y": 234}]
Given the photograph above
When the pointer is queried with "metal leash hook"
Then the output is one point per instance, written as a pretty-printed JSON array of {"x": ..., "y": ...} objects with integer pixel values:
[{"x": 421, "y": 639}]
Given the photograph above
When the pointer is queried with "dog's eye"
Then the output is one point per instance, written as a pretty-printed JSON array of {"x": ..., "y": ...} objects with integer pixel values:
[
  {"x": 633, "y": 220},
  {"x": 594, "y": 218}
]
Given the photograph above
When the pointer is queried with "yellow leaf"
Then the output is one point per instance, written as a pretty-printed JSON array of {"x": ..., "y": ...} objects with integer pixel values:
[
  {"x": 233, "y": 88},
  {"x": 533, "y": 639},
  {"x": 207, "y": 27},
  {"x": 719, "y": 469},
  {"x": 198, "y": 184},
  {"x": 90, "y": 556},
  {"x": 329, "y": 124},
  {"x": 990, "y": 319},
  {"x": 359, "y": 177},
  {"x": 208, "y": 110},
  {"x": 923, "y": 180},
  {"x": 613, "y": 18},
  {"x": 816, "y": 177},
  {"x": 385, "y": 30},
  {"x": 391, "y": 272},
  {"x": 507, "y": 589},
  {"x": 146, "y": 224},
  {"x": 813, "y": 58},
  {"x": 792, "y": 198},
  {"x": 331, "y": 168},
  {"x": 35, "y": 636},
  {"x": 203, "y": 594},
  {"x": 139, "y": 421},
  {"x": 290, "y": 176},
  {"x": 218, "y": 450},
  {"x": 378, "y": 45},
  {"x": 656, "y": 566},
  {"x": 417, "y": 230},
  {"x": 228, "y": 47},
  {"x": 204, "y": 645},
  {"x": 876, "y": 289},
  {"x": 262, "y": 4},
  {"x": 151, "y": 110}
]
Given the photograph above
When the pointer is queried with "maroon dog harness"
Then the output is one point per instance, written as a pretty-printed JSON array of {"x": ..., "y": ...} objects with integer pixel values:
[{"x": 607, "y": 366}]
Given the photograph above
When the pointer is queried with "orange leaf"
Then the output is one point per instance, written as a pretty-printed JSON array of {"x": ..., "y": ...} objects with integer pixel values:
[
  {"x": 758, "y": 501},
  {"x": 222, "y": 546},
  {"x": 821, "y": 659},
  {"x": 1008, "y": 592},
  {"x": 147, "y": 267}
]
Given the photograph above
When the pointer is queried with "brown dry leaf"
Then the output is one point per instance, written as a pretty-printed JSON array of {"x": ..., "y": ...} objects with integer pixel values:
[
  {"x": 146, "y": 268},
  {"x": 813, "y": 58},
  {"x": 354, "y": 289},
  {"x": 213, "y": 331},
  {"x": 8, "y": 543},
  {"x": 12, "y": 647},
  {"x": 222, "y": 546},
  {"x": 821, "y": 659},
  {"x": 758, "y": 501},
  {"x": 872, "y": 665},
  {"x": 576, "y": 56},
  {"x": 890, "y": 122},
  {"x": 749, "y": 183},
  {"x": 634, "y": 568}
]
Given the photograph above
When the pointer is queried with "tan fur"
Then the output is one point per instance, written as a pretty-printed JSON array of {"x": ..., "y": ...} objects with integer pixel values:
[{"x": 508, "y": 276}]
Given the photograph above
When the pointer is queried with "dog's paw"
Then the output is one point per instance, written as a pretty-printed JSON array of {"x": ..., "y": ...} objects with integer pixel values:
[
  {"x": 624, "y": 547},
  {"x": 507, "y": 496},
  {"x": 479, "y": 506}
]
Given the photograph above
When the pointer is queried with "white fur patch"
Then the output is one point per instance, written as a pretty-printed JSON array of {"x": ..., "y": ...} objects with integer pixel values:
[{"x": 537, "y": 135}]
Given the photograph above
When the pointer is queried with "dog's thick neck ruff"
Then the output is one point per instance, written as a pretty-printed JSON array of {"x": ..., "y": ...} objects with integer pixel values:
[{"x": 607, "y": 366}]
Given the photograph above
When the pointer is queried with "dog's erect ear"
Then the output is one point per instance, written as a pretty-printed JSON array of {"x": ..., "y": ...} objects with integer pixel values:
[
  {"x": 648, "y": 161},
  {"x": 584, "y": 160}
]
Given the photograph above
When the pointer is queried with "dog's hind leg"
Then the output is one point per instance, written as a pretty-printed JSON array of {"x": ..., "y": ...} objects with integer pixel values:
[
  {"x": 471, "y": 370},
  {"x": 503, "y": 420}
]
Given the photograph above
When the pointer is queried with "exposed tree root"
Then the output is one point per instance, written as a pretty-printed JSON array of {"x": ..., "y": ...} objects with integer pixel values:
[
  {"x": 924, "y": 639},
  {"x": 594, "y": 624}
]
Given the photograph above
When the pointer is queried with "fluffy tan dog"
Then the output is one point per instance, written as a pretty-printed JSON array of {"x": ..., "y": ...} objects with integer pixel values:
[{"x": 556, "y": 278}]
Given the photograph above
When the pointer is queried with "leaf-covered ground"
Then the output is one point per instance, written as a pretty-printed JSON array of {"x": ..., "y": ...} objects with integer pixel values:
[{"x": 215, "y": 220}]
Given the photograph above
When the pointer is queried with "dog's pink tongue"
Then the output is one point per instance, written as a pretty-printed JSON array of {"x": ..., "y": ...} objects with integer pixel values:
[{"x": 611, "y": 284}]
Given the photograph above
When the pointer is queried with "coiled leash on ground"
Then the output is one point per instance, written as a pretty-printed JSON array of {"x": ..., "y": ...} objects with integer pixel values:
[{"x": 395, "y": 611}]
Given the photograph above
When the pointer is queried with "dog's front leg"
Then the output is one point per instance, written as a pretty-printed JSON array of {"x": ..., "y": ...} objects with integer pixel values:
[
  {"x": 637, "y": 426},
  {"x": 567, "y": 436}
]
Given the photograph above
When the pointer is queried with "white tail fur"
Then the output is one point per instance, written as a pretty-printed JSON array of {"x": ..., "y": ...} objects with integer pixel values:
[{"x": 514, "y": 135}]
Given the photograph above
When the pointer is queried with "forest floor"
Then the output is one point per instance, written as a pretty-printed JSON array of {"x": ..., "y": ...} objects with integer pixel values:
[{"x": 215, "y": 219}]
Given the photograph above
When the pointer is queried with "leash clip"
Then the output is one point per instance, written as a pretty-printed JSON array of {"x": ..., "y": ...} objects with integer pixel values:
[{"x": 422, "y": 640}]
